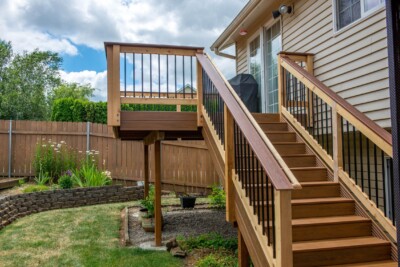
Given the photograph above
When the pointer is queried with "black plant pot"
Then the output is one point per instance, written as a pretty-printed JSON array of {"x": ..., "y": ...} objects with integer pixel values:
[{"x": 188, "y": 202}]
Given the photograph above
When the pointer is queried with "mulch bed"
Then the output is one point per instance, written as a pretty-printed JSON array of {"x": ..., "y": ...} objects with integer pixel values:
[{"x": 185, "y": 222}]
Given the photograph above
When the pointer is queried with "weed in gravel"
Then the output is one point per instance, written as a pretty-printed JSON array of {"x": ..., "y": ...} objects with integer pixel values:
[{"x": 211, "y": 240}]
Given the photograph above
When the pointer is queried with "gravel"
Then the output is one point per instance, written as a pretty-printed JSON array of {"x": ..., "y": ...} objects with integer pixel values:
[{"x": 186, "y": 222}]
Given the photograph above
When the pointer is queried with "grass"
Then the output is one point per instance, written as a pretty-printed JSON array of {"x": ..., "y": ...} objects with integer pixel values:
[{"x": 86, "y": 236}]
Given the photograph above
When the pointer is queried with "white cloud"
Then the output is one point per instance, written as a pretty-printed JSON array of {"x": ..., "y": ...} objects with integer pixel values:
[{"x": 97, "y": 80}]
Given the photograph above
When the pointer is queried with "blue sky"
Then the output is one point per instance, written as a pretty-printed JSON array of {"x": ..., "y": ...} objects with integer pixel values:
[{"x": 77, "y": 29}]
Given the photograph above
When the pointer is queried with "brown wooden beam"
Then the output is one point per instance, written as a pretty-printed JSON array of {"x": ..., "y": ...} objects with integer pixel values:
[
  {"x": 243, "y": 253},
  {"x": 153, "y": 137},
  {"x": 146, "y": 170},
  {"x": 157, "y": 185}
]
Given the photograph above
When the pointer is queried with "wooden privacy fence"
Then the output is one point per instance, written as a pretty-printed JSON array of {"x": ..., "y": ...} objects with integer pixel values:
[{"x": 184, "y": 163}]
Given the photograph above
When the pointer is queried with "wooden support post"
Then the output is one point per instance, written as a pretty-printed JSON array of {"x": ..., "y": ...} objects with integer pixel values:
[
  {"x": 284, "y": 251},
  {"x": 146, "y": 170},
  {"x": 199, "y": 78},
  {"x": 337, "y": 143},
  {"x": 229, "y": 165},
  {"x": 113, "y": 85},
  {"x": 178, "y": 108},
  {"x": 243, "y": 253},
  {"x": 157, "y": 185}
]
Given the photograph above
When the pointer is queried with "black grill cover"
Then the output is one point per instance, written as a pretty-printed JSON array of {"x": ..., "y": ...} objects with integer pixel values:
[{"x": 247, "y": 88}]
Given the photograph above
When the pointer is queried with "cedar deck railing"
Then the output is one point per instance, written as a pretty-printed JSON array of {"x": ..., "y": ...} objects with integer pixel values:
[
  {"x": 355, "y": 148},
  {"x": 252, "y": 165}
]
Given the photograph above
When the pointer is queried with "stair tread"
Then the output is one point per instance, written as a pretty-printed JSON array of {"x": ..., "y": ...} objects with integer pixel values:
[
  {"x": 288, "y": 143},
  {"x": 321, "y": 200},
  {"x": 307, "y": 168},
  {"x": 328, "y": 220},
  {"x": 314, "y": 245},
  {"x": 278, "y": 132},
  {"x": 369, "y": 264},
  {"x": 318, "y": 183},
  {"x": 298, "y": 155}
]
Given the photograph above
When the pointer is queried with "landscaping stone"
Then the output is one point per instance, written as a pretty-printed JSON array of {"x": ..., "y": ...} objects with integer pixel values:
[
  {"x": 17, "y": 206},
  {"x": 178, "y": 252},
  {"x": 170, "y": 244}
]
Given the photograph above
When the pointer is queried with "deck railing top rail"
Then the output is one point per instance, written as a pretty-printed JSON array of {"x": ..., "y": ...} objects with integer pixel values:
[
  {"x": 281, "y": 176},
  {"x": 381, "y": 137}
]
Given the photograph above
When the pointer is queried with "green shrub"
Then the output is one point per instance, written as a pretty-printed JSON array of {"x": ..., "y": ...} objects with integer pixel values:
[
  {"x": 217, "y": 197},
  {"x": 211, "y": 240},
  {"x": 53, "y": 159},
  {"x": 88, "y": 175},
  {"x": 148, "y": 202},
  {"x": 217, "y": 260},
  {"x": 21, "y": 182},
  {"x": 35, "y": 188},
  {"x": 65, "y": 181},
  {"x": 43, "y": 178}
]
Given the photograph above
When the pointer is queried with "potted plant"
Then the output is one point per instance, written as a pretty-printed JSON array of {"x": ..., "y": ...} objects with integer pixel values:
[
  {"x": 147, "y": 218},
  {"x": 187, "y": 201}
]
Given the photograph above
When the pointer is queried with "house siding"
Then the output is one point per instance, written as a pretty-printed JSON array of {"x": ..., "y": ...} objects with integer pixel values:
[{"x": 352, "y": 62}]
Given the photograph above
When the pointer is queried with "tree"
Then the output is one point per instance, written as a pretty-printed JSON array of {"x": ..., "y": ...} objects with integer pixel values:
[
  {"x": 25, "y": 81},
  {"x": 70, "y": 90}
]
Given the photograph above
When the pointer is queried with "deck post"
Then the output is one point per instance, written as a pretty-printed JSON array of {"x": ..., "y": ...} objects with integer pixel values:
[
  {"x": 337, "y": 143},
  {"x": 243, "y": 253},
  {"x": 146, "y": 170},
  {"x": 229, "y": 165},
  {"x": 284, "y": 252},
  {"x": 157, "y": 185},
  {"x": 199, "y": 78}
]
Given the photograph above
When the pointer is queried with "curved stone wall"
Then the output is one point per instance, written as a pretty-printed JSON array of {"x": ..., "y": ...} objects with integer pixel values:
[{"x": 17, "y": 206}]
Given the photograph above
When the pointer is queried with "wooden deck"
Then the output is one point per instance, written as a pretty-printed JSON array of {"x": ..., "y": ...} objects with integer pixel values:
[{"x": 136, "y": 125}]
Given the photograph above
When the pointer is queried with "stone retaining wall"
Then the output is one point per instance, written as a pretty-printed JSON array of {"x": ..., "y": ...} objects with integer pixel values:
[{"x": 17, "y": 206}]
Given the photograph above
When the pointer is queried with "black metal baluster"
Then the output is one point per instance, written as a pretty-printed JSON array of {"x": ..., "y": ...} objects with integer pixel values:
[
  {"x": 266, "y": 207},
  {"x": 322, "y": 123},
  {"x": 134, "y": 78},
  {"x": 151, "y": 77},
  {"x": 159, "y": 76},
  {"x": 253, "y": 184},
  {"x": 348, "y": 147},
  {"x": 362, "y": 161},
  {"x": 258, "y": 192},
  {"x": 142, "y": 78},
  {"x": 383, "y": 181},
  {"x": 125, "y": 74},
  {"x": 317, "y": 118},
  {"x": 343, "y": 155},
  {"x": 368, "y": 170},
  {"x": 248, "y": 170},
  {"x": 376, "y": 177},
  {"x": 355, "y": 155}
]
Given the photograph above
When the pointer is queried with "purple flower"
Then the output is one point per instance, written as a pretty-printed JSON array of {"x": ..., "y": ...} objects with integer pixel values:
[{"x": 69, "y": 173}]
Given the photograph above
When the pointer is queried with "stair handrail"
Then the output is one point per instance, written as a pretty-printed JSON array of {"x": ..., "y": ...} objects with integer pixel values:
[
  {"x": 281, "y": 176},
  {"x": 382, "y": 138}
]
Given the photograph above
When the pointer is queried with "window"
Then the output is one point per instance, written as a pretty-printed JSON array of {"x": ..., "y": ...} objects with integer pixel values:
[
  {"x": 255, "y": 59},
  {"x": 349, "y": 11}
]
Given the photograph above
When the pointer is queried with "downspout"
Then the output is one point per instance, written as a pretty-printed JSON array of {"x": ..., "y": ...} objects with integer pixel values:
[{"x": 393, "y": 38}]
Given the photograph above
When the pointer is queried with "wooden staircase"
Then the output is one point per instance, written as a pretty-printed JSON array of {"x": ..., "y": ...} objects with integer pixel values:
[{"x": 325, "y": 227}]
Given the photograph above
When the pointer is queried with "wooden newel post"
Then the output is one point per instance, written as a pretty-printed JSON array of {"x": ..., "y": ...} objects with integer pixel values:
[
  {"x": 281, "y": 85},
  {"x": 284, "y": 251},
  {"x": 229, "y": 165},
  {"x": 337, "y": 142},
  {"x": 157, "y": 185}
]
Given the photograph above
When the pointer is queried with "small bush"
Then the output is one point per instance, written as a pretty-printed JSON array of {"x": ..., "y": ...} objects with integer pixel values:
[
  {"x": 217, "y": 197},
  {"x": 65, "y": 181},
  {"x": 217, "y": 260},
  {"x": 21, "y": 182},
  {"x": 35, "y": 188},
  {"x": 211, "y": 240},
  {"x": 148, "y": 202},
  {"x": 89, "y": 175}
]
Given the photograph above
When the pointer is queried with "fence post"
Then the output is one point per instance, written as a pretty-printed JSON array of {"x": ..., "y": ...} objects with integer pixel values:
[
  {"x": 88, "y": 136},
  {"x": 9, "y": 149}
]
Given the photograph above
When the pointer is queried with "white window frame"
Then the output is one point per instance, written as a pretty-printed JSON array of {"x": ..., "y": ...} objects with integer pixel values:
[
  {"x": 364, "y": 14},
  {"x": 260, "y": 33}
]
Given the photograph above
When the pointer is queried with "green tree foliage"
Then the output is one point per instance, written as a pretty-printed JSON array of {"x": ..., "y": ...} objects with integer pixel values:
[
  {"x": 25, "y": 81},
  {"x": 71, "y": 90}
]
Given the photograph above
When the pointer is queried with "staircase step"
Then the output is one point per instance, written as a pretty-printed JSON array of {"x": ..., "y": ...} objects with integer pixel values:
[
  {"x": 274, "y": 126},
  {"x": 310, "y": 174},
  {"x": 317, "y": 190},
  {"x": 318, "y": 207},
  {"x": 340, "y": 251},
  {"x": 369, "y": 264},
  {"x": 281, "y": 136},
  {"x": 300, "y": 160},
  {"x": 330, "y": 227},
  {"x": 263, "y": 117},
  {"x": 322, "y": 189},
  {"x": 287, "y": 148}
]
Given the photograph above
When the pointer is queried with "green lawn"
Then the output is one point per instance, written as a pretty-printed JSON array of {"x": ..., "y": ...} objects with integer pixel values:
[{"x": 85, "y": 236}]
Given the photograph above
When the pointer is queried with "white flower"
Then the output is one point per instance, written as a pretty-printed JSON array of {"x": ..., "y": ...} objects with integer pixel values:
[
  {"x": 52, "y": 145},
  {"x": 80, "y": 151},
  {"x": 58, "y": 145},
  {"x": 44, "y": 145},
  {"x": 62, "y": 142}
]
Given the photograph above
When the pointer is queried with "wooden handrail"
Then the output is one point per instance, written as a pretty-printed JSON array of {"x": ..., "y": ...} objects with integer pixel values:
[
  {"x": 368, "y": 127},
  {"x": 276, "y": 169}
]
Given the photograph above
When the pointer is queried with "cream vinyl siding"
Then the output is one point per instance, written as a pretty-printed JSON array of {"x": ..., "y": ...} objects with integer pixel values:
[
  {"x": 352, "y": 61},
  {"x": 241, "y": 57}
]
